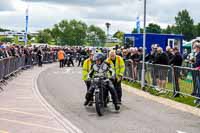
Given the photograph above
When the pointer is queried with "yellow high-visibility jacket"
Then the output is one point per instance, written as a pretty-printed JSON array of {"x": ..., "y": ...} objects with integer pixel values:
[
  {"x": 119, "y": 66},
  {"x": 86, "y": 68}
]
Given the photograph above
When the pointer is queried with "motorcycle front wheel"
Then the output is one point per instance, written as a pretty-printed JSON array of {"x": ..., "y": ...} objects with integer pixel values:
[{"x": 99, "y": 104}]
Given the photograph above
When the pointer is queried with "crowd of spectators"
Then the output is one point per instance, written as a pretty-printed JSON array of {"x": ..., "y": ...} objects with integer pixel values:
[
  {"x": 31, "y": 53},
  {"x": 164, "y": 65},
  {"x": 133, "y": 56}
]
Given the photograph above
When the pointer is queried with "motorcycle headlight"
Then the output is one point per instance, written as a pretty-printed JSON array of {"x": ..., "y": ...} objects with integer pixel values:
[{"x": 96, "y": 79}]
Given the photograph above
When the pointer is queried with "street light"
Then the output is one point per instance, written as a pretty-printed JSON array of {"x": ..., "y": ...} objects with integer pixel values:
[
  {"x": 144, "y": 46},
  {"x": 108, "y": 27}
]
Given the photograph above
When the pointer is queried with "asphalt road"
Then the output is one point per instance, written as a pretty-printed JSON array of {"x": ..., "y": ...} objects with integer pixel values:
[{"x": 65, "y": 91}]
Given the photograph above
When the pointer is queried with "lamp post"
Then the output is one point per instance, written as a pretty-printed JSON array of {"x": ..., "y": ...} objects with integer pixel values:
[
  {"x": 108, "y": 27},
  {"x": 144, "y": 48}
]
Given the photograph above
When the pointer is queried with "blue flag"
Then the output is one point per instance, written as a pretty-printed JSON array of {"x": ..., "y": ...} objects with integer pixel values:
[
  {"x": 26, "y": 29},
  {"x": 138, "y": 24}
]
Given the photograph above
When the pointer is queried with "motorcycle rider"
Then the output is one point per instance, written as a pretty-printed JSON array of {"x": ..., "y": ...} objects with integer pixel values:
[
  {"x": 117, "y": 64},
  {"x": 99, "y": 67},
  {"x": 68, "y": 58}
]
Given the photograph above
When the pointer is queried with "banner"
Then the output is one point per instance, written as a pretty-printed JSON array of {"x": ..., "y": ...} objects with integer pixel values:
[
  {"x": 138, "y": 24},
  {"x": 26, "y": 29}
]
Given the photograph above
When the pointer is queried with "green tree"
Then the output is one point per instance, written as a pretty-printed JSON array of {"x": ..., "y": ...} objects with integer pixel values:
[
  {"x": 55, "y": 33},
  {"x": 43, "y": 37},
  {"x": 168, "y": 30},
  {"x": 6, "y": 39},
  {"x": 71, "y": 33},
  {"x": 65, "y": 36},
  {"x": 79, "y": 32},
  {"x": 197, "y": 30},
  {"x": 3, "y": 30},
  {"x": 96, "y": 36},
  {"x": 119, "y": 35},
  {"x": 185, "y": 24},
  {"x": 153, "y": 28},
  {"x": 135, "y": 30}
]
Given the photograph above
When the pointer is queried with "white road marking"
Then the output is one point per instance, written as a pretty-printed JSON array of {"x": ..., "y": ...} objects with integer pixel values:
[
  {"x": 25, "y": 113},
  {"x": 67, "y": 71},
  {"x": 178, "y": 131},
  {"x": 68, "y": 126},
  {"x": 24, "y": 98},
  {"x": 31, "y": 124},
  {"x": 2, "y": 131}
]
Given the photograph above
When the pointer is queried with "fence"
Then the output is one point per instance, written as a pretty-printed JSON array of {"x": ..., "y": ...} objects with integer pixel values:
[
  {"x": 179, "y": 80},
  {"x": 8, "y": 66}
]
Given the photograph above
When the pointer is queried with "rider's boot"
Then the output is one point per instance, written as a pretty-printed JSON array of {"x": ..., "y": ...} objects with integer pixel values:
[
  {"x": 91, "y": 102},
  {"x": 117, "y": 107},
  {"x": 86, "y": 102},
  {"x": 87, "y": 97}
]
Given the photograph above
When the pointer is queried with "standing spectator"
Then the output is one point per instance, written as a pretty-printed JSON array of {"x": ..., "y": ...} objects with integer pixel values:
[
  {"x": 134, "y": 58},
  {"x": 161, "y": 75},
  {"x": 176, "y": 60},
  {"x": 196, "y": 73},
  {"x": 151, "y": 59},
  {"x": 61, "y": 57},
  {"x": 169, "y": 52},
  {"x": 185, "y": 54},
  {"x": 39, "y": 56},
  {"x": 119, "y": 52},
  {"x": 139, "y": 64},
  {"x": 197, "y": 51},
  {"x": 1, "y": 51},
  {"x": 125, "y": 54},
  {"x": 6, "y": 52}
]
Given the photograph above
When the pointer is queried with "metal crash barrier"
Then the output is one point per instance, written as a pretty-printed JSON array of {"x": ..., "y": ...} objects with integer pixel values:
[
  {"x": 9, "y": 66},
  {"x": 179, "y": 80}
]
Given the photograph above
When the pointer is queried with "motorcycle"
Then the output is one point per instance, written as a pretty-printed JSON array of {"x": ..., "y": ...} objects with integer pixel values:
[
  {"x": 68, "y": 60},
  {"x": 100, "y": 84},
  {"x": 77, "y": 57}
]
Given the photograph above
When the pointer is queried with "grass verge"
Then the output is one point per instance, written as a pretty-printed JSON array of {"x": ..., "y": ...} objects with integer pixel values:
[{"x": 182, "y": 99}]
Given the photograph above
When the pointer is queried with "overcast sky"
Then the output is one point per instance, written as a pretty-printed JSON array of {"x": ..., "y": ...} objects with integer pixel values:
[{"x": 120, "y": 13}]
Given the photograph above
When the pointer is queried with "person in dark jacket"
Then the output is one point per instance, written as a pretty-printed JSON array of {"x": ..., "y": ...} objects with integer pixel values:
[
  {"x": 197, "y": 50},
  {"x": 1, "y": 53},
  {"x": 161, "y": 75},
  {"x": 196, "y": 72},
  {"x": 169, "y": 52},
  {"x": 151, "y": 59},
  {"x": 176, "y": 60},
  {"x": 134, "y": 59},
  {"x": 39, "y": 56}
]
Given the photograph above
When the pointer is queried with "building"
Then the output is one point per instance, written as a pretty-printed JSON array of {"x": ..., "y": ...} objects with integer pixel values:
[
  {"x": 111, "y": 39},
  {"x": 163, "y": 40},
  {"x": 13, "y": 34}
]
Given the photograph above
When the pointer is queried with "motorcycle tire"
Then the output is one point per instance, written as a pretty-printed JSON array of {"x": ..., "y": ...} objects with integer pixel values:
[{"x": 99, "y": 104}]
